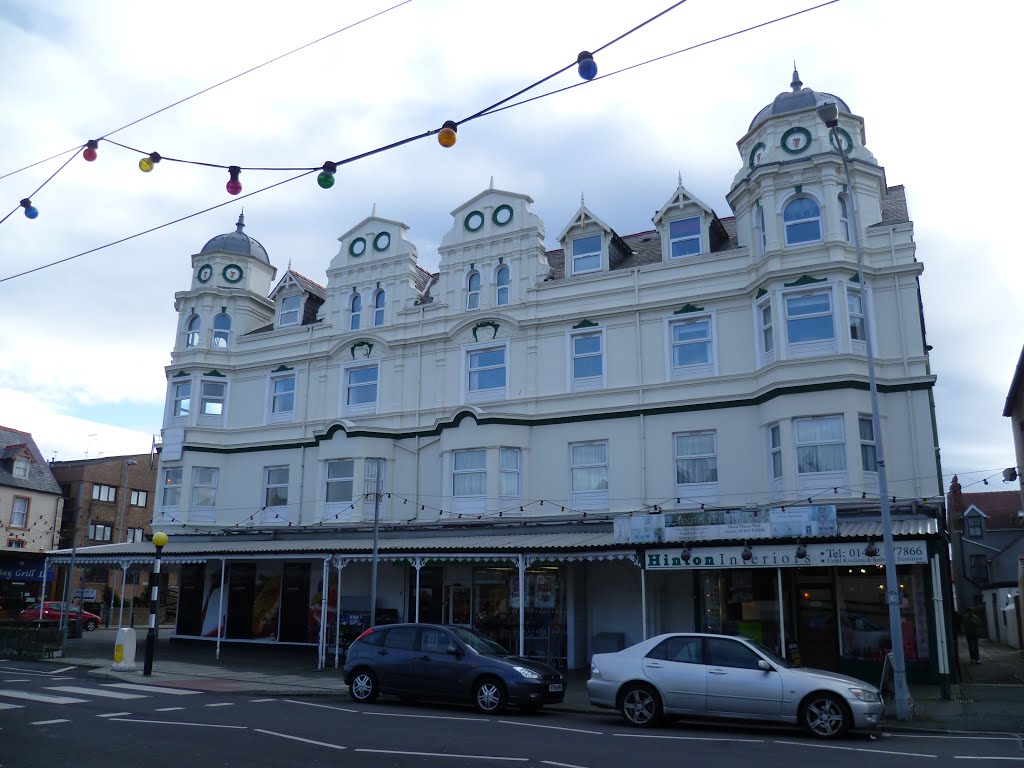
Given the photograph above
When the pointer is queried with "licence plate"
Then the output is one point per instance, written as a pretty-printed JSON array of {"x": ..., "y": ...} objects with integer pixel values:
[{"x": 555, "y": 687}]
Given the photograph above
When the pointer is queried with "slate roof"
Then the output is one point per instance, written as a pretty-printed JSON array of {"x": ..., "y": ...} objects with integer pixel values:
[
  {"x": 999, "y": 507},
  {"x": 39, "y": 476},
  {"x": 894, "y": 207}
]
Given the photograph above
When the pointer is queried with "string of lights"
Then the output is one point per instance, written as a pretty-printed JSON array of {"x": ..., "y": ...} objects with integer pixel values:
[{"x": 446, "y": 136}]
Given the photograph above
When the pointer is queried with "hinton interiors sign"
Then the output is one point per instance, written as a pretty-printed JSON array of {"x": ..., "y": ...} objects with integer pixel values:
[
  {"x": 816, "y": 520},
  {"x": 781, "y": 556}
]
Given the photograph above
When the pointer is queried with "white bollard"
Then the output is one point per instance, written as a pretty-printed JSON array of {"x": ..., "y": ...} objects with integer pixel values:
[{"x": 124, "y": 649}]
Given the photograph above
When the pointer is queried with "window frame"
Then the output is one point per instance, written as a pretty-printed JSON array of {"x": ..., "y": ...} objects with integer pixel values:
[
  {"x": 23, "y": 513},
  {"x": 468, "y": 502},
  {"x": 210, "y": 481},
  {"x": 193, "y": 329},
  {"x": 978, "y": 566},
  {"x": 974, "y": 526},
  {"x": 575, "y": 257},
  {"x": 282, "y": 415},
  {"x": 286, "y": 311},
  {"x": 508, "y": 472},
  {"x": 104, "y": 492},
  {"x": 775, "y": 466},
  {"x": 181, "y": 404},
  {"x": 221, "y": 333},
  {"x": 844, "y": 215},
  {"x": 593, "y": 499},
  {"x": 686, "y": 238},
  {"x": 355, "y": 311},
  {"x": 701, "y": 491},
  {"x": 135, "y": 535},
  {"x": 868, "y": 444},
  {"x": 379, "y": 303},
  {"x": 206, "y": 400},
  {"x": 473, "y": 285},
  {"x": 21, "y": 468},
  {"x": 586, "y": 383},
  {"x": 821, "y": 477},
  {"x": 368, "y": 407},
  {"x": 787, "y": 223},
  {"x": 856, "y": 320},
  {"x": 474, "y": 395},
  {"x": 136, "y": 496},
  {"x": 173, "y": 488},
  {"x": 333, "y": 508},
  {"x": 760, "y": 234},
  {"x": 812, "y": 346},
  {"x": 766, "y": 343},
  {"x": 276, "y": 512},
  {"x": 100, "y": 532},
  {"x": 708, "y": 367},
  {"x": 503, "y": 272}
]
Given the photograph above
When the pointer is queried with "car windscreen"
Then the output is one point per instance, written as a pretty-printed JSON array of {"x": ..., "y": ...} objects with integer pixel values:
[{"x": 477, "y": 642}]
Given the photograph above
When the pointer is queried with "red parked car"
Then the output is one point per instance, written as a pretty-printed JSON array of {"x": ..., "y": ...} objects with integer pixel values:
[{"x": 53, "y": 609}]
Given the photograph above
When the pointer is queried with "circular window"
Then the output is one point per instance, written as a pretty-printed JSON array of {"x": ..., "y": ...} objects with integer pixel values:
[
  {"x": 755, "y": 155},
  {"x": 358, "y": 246},
  {"x": 381, "y": 241},
  {"x": 844, "y": 137},
  {"x": 796, "y": 140},
  {"x": 502, "y": 215},
  {"x": 474, "y": 221}
]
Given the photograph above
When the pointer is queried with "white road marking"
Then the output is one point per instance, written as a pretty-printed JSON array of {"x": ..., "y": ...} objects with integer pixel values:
[
  {"x": 114, "y": 714},
  {"x": 322, "y": 706},
  {"x": 22, "y": 680},
  {"x": 5, "y": 705},
  {"x": 444, "y": 754},
  {"x": 94, "y": 692},
  {"x": 174, "y": 722},
  {"x": 297, "y": 738},
  {"x": 552, "y": 727},
  {"x": 959, "y": 738},
  {"x": 428, "y": 717},
  {"x": 41, "y": 697},
  {"x": 150, "y": 688},
  {"x": 49, "y": 722},
  {"x": 853, "y": 749},
  {"x": 258, "y": 701},
  {"x": 975, "y": 757},
  {"x": 220, "y": 704},
  {"x": 561, "y": 765},
  {"x": 169, "y": 709},
  {"x": 686, "y": 738},
  {"x": 58, "y": 671}
]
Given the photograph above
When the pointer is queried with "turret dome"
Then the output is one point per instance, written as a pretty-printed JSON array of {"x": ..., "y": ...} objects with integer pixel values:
[
  {"x": 237, "y": 243},
  {"x": 795, "y": 99}
]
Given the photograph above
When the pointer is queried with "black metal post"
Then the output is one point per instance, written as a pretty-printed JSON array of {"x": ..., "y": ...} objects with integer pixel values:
[{"x": 159, "y": 540}]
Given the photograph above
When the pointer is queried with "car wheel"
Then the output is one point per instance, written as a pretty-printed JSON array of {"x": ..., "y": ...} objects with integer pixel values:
[
  {"x": 825, "y": 715},
  {"x": 90, "y": 625},
  {"x": 363, "y": 687},
  {"x": 489, "y": 696},
  {"x": 641, "y": 706}
]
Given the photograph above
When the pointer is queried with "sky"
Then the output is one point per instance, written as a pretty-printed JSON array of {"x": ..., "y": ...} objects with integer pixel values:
[{"x": 87, "y": 341}]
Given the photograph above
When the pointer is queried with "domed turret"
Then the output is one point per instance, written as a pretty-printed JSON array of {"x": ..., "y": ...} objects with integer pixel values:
[
  {"x": 793, "y": 100},
  {"x": 238, "y": 243}
]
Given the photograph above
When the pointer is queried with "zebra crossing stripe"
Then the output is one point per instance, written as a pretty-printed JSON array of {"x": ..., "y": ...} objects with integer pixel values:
[
  {"x": 114, "y": 714},
  {"x": 41, "y": 697},
  {"x": 50, "y": 722},
  {"x": 150, "y": 688},
  {"x": 5, "y": 705},
  {"x": 94, "y": 692}
]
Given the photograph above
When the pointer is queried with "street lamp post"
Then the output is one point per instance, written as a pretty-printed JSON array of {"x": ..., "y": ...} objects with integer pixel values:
[
  {"x": 159, "y": 541},
  {"x": 117, "y": 538},
  {"x": 829, "y": 114},
  {"x": 376, "y": 531}
]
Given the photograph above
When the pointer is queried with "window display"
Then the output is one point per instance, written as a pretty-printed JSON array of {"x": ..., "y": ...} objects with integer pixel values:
[{"x": 864, "y": 615}]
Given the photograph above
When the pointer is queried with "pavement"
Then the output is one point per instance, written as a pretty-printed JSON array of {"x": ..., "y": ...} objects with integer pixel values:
[{"x": 990, "y": 697}]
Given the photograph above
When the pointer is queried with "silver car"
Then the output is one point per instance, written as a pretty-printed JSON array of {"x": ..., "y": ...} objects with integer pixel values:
[{"x": 727, "y": 677}]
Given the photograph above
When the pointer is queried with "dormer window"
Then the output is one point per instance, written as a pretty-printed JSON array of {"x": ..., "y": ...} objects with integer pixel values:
[
  {"x": 289, "y": 311},
  {"x": 378, "y": 307},
  {"x": 473, "y": 291},
  {"x": 684, "y": 237},
  {"x": 355, "y": 311},
  {"x": 586, "y": 254},
  {"x": 192, "y": 332},
  {"x": 221, "y": 330},
  {"x": 803, "y": 221},
  {"x": 974, "y": 525},
  {"x": 21, "y": 467},
  {"x": 501, "y": 281}
]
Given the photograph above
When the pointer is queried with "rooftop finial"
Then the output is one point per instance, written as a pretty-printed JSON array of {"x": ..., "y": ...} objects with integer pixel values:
[
  {"x": 241, "y": 221},
  {"x": 374, "y": 211},
  {"x": 492, "y": 183},
  {"x": 581, "y": 199},
  {"x": 680, "y": 178},
  {"x": 796, "y": 85}
]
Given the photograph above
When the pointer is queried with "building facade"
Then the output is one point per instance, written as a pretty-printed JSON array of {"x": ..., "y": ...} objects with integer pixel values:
[
  {"x": 30, "y": 519},
  {"x": 501, "y": 417},
  {"x": 106, "y": 500}
]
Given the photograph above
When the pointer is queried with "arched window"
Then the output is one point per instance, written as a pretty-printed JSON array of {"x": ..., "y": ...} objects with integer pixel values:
[
  {"x": 844, "y": 218},
  {"x": 473, "y": 291},
  {"x": 501, "y": 280},
  {"x": 192, "y": 332},
  {"x": 759, "y": 233},
  {"x": 221, "y": 330},
  {"x": 378, "y": 307},
  {"x": 803, "y": 221},
  {"x": 356, "y": 308}
]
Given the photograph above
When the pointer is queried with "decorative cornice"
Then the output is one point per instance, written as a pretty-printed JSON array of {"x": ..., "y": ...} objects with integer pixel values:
[
  {"x": 760, "y": 292},
  {"x": 215, "y": 373},
  {"x": 485, "y": 324},
  {"x": 806, "y": 280},
  {"x": 180, "y": 375},
  {"x": 585, "y": 323},
  {"x": 282, "y": 369},
  {"x": 687, "y": 308}
]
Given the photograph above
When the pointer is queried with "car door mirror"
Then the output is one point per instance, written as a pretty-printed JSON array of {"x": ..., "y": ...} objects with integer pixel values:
[
  {"x": 454, "y": 650},
  {"x": 764, "y": 666}
]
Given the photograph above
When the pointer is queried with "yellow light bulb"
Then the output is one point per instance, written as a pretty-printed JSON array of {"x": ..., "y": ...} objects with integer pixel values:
[
  {"x": 145, "y": 165},
  {"x": 446, "y": 136}
]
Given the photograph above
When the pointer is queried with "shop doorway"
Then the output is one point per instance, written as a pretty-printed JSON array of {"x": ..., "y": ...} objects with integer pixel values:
[
  {"x": 814, "y": 601},
  {"x": 295, "y": 603},
  {"x": 460, "y": 605},
  {"x": 431, "y": 594},
  {"x": 190, "y": 599},
  {"x": 241, "y": 591}
]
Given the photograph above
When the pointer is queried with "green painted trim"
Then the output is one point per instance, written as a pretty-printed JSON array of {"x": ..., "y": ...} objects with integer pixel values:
[
  {"x": 585, "y": 323},
  {"x": 363, "y": 343},
  {"x": 361, "y": 241},
  {"x": 687, "y": 308},
  {"x": 215, "y": 373},
  {"x": 799, "y": 189},
  {"x": 503, "y": 207},
  {"x": 224, "y": 272},
  {"x": 846, "y": 137},
  {"x": 543, "y": 421},
  {"x": 282, "y": 369},
  {"x": 486, "y": 324},
  {"x": 760, "y": 292},
  {"x": 465, "y": 221},
  {"x": 180, "y": 374},
  {"x": 805, "y": 280},
  {"x": 855, "y": 279},
  {"x": 376, "y": 242},
  {"x": 750, "y": 159},
  {"x": 207, "y": 270},
  {"x": 803, "y": 132}
]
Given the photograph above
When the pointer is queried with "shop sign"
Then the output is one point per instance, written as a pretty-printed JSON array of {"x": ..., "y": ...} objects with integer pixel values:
[
  {"x": 86, "y": 594},
  {"x": 780, "y": 556},
  {"x": 24, "y": 573},
  {"x": 717, "y": 525}
]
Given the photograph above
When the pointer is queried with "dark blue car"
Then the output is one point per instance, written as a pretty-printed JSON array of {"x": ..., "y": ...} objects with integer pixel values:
[{"x": 429, "y": 661}]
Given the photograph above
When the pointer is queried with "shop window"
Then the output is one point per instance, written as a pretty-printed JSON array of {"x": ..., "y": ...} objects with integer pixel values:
[{"x": 864, "y": 614}]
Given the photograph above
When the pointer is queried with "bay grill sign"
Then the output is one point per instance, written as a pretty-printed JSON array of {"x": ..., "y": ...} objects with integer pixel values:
[{"x": 780, "y": 556}]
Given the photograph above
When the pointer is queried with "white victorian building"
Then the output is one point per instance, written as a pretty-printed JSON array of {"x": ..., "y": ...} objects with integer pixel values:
[{"x": 517, "y": 406}]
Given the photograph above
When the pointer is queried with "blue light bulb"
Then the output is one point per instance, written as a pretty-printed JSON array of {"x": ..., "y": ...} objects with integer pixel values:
[
  {"x": 587, "y": 65},
  {"x": 30, "y": 210}
]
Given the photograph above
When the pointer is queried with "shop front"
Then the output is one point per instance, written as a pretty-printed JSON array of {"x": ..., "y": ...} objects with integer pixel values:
[{"x": 23, "y": 580}]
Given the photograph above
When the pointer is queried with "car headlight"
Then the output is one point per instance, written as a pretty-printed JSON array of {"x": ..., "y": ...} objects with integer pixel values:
[
  {"x": 865, "y": 694},
  {"x": 594, "y": 671},
  {"x": 526, "y": 672}
]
